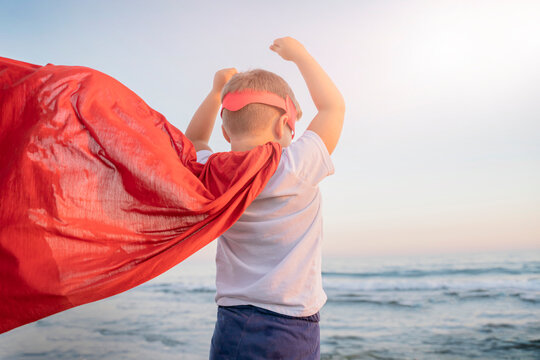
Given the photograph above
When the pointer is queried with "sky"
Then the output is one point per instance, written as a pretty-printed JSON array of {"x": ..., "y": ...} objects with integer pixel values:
[{"x": 440, "y": 150}]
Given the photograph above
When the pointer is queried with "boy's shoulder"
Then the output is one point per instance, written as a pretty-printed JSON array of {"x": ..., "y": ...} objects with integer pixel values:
[{"x": 307, "y": 159}]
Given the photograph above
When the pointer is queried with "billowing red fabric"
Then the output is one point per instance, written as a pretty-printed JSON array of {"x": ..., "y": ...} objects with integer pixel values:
[{"x": 99, "y": 193}]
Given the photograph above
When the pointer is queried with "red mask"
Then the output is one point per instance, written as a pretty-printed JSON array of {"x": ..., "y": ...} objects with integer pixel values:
[{"x": 234, "y": 101}]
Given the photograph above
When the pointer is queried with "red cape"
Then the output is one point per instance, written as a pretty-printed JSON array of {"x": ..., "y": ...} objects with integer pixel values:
[{"x": 99, "y": 193}]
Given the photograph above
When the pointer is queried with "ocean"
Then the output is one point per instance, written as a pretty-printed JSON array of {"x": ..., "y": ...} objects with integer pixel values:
[{"x": 456, "y": 306}]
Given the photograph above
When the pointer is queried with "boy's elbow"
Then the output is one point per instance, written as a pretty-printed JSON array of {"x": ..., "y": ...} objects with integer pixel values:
[
  {"x": 338, "y": 110},
  {"x": 336, "y": 106},
  {"x": 341, "y": 104}
]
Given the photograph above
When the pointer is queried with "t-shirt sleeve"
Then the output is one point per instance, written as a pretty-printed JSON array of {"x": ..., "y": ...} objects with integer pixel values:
[
  {"x": 203, "y": 155},
  {"x": 309, "y": 158}
]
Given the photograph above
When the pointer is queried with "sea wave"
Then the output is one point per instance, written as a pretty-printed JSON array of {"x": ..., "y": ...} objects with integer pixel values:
[
  {"x": 525, "y": 269},
  {"x": 177, "y": 288},
  {"x": 518, "y": 285},
  {"x": 143, "y": 334},
  {"x": 354, "y": 298}
]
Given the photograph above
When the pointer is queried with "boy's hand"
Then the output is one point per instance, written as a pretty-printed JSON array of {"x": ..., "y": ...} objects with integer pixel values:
[
  {"x": 221, "y": 78},
  {"x": 288, "y": 48}
]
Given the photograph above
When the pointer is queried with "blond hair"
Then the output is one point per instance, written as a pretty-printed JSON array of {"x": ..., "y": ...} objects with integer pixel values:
[{"x": 255, "y": 118}]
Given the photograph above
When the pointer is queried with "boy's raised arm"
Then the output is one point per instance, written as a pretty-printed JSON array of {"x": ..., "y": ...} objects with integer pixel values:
[
  {"x": 202, "y": 123},
  {"x": 329, "y": 102}
]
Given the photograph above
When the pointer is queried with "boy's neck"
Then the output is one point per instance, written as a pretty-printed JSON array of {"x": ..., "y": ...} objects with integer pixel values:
[{"x": 248, "y": 143}]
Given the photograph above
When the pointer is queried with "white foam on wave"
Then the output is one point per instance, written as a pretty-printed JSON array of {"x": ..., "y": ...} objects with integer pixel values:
[{"x": 457, "y": 284}]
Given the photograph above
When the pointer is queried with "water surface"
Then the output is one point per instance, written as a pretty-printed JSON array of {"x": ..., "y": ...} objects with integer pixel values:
[{"x": 474, "y": 306}]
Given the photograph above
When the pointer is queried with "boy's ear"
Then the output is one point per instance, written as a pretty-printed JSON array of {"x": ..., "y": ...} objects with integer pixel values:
[
  {"x": 280, "y": 126},
  {"x": 225, "y": 135}
]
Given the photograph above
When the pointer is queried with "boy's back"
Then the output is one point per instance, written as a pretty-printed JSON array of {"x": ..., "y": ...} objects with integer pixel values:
[{"x": 271, "y": 257}]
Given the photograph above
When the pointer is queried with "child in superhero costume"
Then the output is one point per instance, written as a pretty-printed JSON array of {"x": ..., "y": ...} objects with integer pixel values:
[{"x": 269, "y": 286}]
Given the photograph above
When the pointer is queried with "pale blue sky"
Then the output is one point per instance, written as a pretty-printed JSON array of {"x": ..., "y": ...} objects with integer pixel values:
[{"x": 441, "y": 144}]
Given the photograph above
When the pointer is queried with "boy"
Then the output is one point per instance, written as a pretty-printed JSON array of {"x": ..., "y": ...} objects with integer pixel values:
[{"x": 269, "y": 287}]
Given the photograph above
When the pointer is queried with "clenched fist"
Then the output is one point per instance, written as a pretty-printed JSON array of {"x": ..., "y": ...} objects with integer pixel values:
[
  {"x": 288, "y": 48},
  {"x": 222, "y": 77}
]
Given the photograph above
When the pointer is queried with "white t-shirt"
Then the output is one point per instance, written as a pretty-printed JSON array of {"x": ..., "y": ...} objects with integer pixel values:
[{"x": 271, "y": 257}]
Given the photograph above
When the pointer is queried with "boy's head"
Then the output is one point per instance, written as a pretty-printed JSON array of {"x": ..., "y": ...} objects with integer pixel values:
[{"x": 258, "y": 120}]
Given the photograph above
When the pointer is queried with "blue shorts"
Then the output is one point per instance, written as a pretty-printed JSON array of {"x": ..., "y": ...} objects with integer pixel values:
[{"x": 249, "y": 332}]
